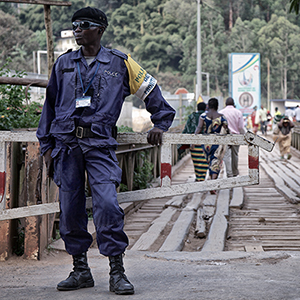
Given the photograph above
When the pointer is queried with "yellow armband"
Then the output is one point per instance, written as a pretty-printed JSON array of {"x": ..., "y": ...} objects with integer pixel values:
[{"x": 141, "y": 83}]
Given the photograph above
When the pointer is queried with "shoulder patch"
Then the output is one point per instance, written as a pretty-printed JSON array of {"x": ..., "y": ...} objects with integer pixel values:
[{"x": 119, "y": 53}]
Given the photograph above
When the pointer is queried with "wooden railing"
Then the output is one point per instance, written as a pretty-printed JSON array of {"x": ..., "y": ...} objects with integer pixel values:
[
  {"x": 296, "y": 137},
  {"x": 35, "y": 202}
]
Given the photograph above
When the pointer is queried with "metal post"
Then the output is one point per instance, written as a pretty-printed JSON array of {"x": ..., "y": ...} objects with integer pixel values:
[{"x": 207, "y": 83}]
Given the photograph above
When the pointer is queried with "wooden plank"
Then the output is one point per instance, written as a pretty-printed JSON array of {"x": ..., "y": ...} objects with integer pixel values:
[
  {"x": 210, "y": 200},
  {"x": 217, "y": 234},
  {"x": 6, "y": 227},
  {"x": 252, "y": 189},
  {"x": 194, "y": 203},
  {"x": 176, "y": 201},
  {"x": 249, "y": 248},
  {"x": 49, "y": 37},
  {"x": 32, "y": 237},
  {"x": 274, "y": 234},
  {"x": 34, "y": 210},
  {"x": 175, "y": 239},
  {"x": 237, "y": 200},
  {"x": 200, "y": 230},
  {"x": 148, "y": 238},
  {"x": 280, "y": 184},
  {"x": 23, "y": 81}
]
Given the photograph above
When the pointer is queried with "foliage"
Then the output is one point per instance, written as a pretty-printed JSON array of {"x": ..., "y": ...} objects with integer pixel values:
[
  {"x": 41, "y": 39},
  {"x": 189, "y": 110},
  {"x": 279, "y": 41},
  {"x": 61, "y": 16},
  {"x": 13, "y": 112},
  {"x": 124, "y": 128},
  {"x": 161, "y": 36},
  {"x": 123, "y": 187},
  {"x": 142, "y": 174},
  {"x": 17, "y": 42},
  {"x": 8, "y": 8},
  {"x": 294, "y": 6}
]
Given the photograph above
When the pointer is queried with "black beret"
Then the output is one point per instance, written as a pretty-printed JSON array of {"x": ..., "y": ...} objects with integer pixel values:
[{"x": 91, "y": 14}]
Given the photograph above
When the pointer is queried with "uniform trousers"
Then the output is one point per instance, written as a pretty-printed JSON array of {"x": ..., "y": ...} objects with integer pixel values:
[{"x": 101, "y": 165}]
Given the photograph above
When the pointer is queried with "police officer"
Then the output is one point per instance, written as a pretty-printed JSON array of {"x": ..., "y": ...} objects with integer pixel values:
[{"x": 84, "y": 98}]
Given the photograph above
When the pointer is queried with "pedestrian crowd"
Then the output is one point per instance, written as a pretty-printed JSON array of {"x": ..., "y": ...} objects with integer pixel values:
[
  {"x": 208, "y": 120},
  {"x": 230, "y": 120}
]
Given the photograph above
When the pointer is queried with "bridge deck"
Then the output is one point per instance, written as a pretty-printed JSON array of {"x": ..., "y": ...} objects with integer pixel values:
[{"x": 262, "y": 217}]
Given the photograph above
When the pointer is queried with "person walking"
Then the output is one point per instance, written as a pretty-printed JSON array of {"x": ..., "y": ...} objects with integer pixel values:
[
  {"x": 254, "y": 120},
  {"x": 197, "y": 153},
  {"x": 297, "y": 113},
  {"x": 284, "y": 138},
  {"x": 212, "y": 122},
  {"x": 77, "y": 134},
  {"x": 290, "y": 113},
  {"x": 277, "y": 117},
  {"x": 263, "y": 119},
  {"x": 236, "y": 126}
]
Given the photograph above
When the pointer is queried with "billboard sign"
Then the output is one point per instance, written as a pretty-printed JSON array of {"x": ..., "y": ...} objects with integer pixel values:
[{"x": 244, "y": 80}]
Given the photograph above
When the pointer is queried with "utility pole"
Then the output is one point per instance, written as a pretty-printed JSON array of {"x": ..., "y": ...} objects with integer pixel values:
[
  {"x": 268, "y": 67},
  {"x": 199, "y": 73}
]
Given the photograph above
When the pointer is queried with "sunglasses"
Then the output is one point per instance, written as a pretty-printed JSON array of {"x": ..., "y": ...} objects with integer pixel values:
[{"x": 84, "y": 25}]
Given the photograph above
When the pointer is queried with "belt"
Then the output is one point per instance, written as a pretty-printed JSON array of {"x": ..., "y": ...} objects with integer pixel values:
[{"x": 84, "y": 132}]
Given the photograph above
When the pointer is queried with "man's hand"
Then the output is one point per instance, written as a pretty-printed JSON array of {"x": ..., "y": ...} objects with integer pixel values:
[
  {"x": 49, "y": 163},
  {"x": 154, "y": 136}
]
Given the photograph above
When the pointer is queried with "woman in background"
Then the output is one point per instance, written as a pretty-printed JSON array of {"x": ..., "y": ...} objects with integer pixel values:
[
  {"x": 212, "y": 122},
  {"x": 197, "y": 153}
]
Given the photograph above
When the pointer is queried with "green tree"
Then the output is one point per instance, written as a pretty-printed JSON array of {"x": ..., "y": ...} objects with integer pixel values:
[
  {"x": 13, "y": 112},
  {"x": 294, "y": 6},
  {"x": 61, "y": 16},
  {"x": 17, "y": 42},
  {"x": 279, "y": 41}
]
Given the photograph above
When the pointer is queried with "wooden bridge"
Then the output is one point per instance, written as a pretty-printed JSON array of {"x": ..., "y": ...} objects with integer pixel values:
[{"x": 261, "y": 217}]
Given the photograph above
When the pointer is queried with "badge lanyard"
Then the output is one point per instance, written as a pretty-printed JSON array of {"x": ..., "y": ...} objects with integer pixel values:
[
  {"x": 85, "y": 101},
  {"x": 79, "y": 73}
]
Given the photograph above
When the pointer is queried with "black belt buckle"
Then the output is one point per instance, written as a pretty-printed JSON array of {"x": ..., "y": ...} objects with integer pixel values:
[{"x": 79, "y": 132}]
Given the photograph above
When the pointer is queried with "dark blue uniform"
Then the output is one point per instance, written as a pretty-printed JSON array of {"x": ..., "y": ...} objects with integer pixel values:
[{"x": 112, "y": 76}]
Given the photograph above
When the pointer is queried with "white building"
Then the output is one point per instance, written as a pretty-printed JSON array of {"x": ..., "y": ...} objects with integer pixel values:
[{"x": 66, "y": 41}]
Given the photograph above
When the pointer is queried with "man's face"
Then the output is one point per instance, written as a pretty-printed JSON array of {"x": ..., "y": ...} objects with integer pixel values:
[{"x": 88, "y": 36}]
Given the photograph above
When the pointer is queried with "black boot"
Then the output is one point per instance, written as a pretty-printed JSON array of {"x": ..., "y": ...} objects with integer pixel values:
[
  {"x": 118, "y": 282},
  {"x": 81, "y": 276}
]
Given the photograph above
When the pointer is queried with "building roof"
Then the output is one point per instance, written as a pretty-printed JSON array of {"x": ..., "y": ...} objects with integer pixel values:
[
  {"x": 181, "y": 91},
  {"x": 289, "y": 100}
]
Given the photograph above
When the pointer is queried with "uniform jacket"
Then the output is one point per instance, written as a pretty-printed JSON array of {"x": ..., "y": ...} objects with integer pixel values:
[{"x": 118, "y": 76}]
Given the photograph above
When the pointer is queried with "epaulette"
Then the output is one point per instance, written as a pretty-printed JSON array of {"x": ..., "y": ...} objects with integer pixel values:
[
  {"x": 119, "y": 53},
  {"x": 68, "y": 51}
]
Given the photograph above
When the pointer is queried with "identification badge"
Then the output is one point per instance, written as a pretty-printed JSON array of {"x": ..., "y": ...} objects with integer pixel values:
[{"x": 83, "y": 101}]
